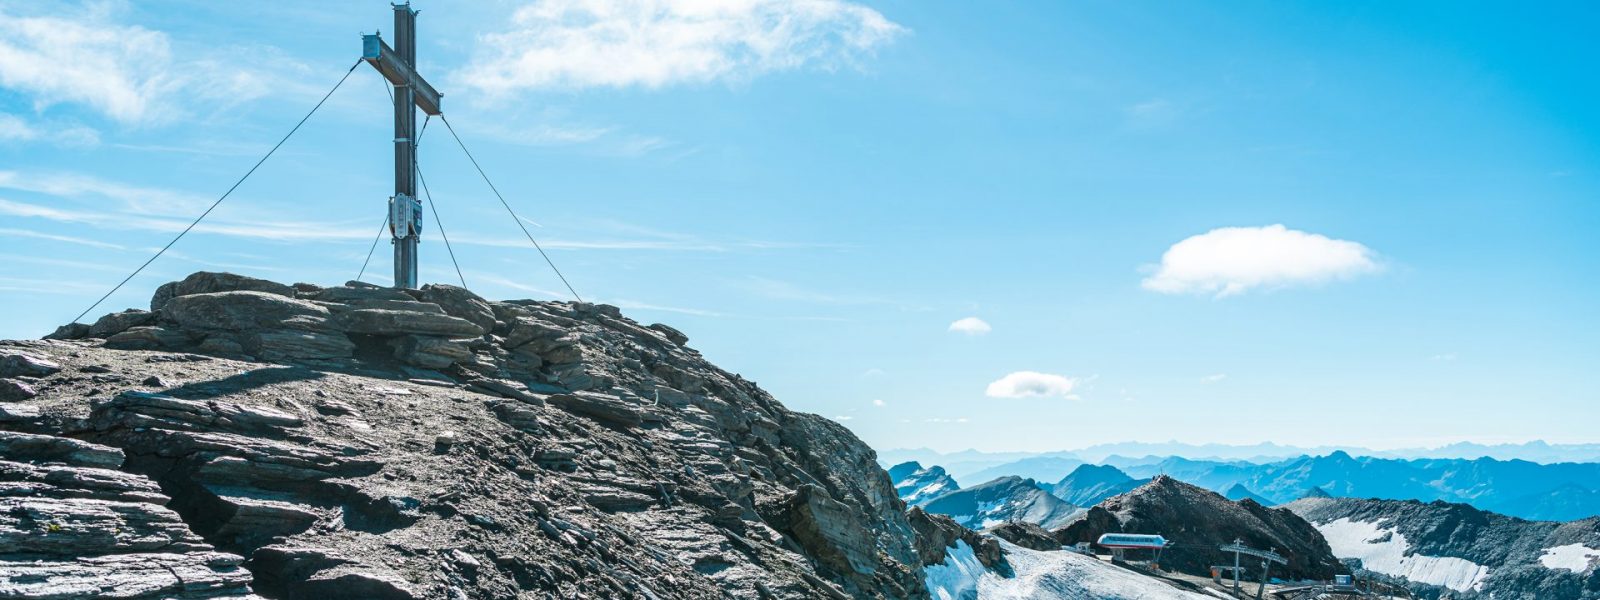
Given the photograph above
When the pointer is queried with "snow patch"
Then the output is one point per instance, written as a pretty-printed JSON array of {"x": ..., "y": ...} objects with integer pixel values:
[
  {"x": 1572, "y": 557},
  {"x": 957, "y": 577},
  {"x": 1057, "y": 575},
  {"x": 1383, "y": 550}
]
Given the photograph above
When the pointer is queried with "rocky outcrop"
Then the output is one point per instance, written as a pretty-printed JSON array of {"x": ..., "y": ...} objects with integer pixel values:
[
  {"x": 356, "y": 441},
  {"x": 73, "y": 526},
  {"x": 936, "y": 534},
  {"x": 1027, "y": 535},
  {"x": 1202, "y": 520}
]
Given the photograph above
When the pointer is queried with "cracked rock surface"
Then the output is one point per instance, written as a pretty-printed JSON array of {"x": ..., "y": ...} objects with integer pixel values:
[{"x": 249, "y": 437}]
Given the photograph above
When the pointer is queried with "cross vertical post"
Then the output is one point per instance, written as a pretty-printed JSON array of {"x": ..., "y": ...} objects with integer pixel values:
[
  {"x": 405, "y": 139},
  {"x": 411, "y": 91}
]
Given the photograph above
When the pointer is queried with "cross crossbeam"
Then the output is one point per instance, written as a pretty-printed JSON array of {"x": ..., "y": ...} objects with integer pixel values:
[{"x": 383, "y": 58}]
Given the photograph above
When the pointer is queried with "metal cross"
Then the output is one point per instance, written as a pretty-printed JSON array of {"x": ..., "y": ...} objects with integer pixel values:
[{"x": 411, "y": 92}]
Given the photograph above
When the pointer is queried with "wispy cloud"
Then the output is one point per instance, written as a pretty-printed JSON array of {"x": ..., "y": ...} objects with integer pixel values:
[
  {"x": 287, "y": 231},
  {"x": 784, "y": 290},
  {"x": 59, "y": 262},
  {"x": 1213, "y": 378},
  {"x": 16, "y": 129},
  {"x": 1231, "y": 260},
  {"x": 38, "y": 235},
  {"x": 635, "y": 305},
  {"x": 571, "y": 44},
  {"x": 129, "y": 197},
  {"x": 1445, "y": 357},
  {"x": 1151, "y": 113},
  {"x": 49, "y": 286}
]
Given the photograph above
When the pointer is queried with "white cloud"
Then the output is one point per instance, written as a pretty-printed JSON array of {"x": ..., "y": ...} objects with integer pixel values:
[
  {"x": 1214, "y": 378},
  {"x": 569, "y": 44},
  {"x": 126, "y": 72},
  {"x": 1024, "y": 384},
  {"x": 970, "y": 326},
  {"x": 1230, "y": 260},
  {"x": 878, "y": 402},
  {"x": 872, "y": 372},
  {"x": 946, "y": 420},
  {"x": 842, "y": 417},
  {"x": 1446, "y": 357}
]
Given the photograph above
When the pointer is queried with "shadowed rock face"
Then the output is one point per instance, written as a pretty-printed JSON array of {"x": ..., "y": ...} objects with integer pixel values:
[
  {"x": 1201, "y": 520},
  {"x": 357, "y": 441}
]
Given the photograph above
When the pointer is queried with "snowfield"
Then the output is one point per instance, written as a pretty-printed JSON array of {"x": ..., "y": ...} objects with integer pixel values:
[
  {"x": 956, "y": 578},
  {"x": 1058, "y": 575},
  {"x": 1572, "y": 557},
  {"x": 1383, "y": 550}
]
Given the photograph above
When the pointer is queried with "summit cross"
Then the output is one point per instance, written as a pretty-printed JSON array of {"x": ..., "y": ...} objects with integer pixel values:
[{"x": 411, "y": 91}]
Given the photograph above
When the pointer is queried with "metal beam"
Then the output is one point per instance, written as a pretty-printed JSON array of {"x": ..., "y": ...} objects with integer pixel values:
[{"x": 394, "y": 68}]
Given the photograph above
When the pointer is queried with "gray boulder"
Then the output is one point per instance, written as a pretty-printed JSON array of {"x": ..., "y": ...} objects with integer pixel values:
[
  {"x": 13, "y": 364},
  {"x": 393, "y": 322},
  {"x": 430, "y": 352},
  {"x": 281, "y": 344},
  {"x": 70, "y": 331},
  {"x": 116, "y": 323},
  {"x": 12, "y": 390},
  {"x": 458, "y": 302},
  {"x": 147, "y": 338},
  {"x": 237, "y": 310},
  {"x": 677, "y": 337},
  {"x": 525, "y": 330},
  {"x": 357, "y": 294},
  {"x": 206, "y": 282}
]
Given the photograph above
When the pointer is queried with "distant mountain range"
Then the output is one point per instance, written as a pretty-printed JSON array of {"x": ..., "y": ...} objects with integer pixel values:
[
  {"x": 1553, "y": 492},
  {"x": 966, "y": 463}
]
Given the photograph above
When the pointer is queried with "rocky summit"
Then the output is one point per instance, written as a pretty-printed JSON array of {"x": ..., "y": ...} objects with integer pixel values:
[
  {"x": 1204, "y": 520},
  {"x": 245, "y": 438}
]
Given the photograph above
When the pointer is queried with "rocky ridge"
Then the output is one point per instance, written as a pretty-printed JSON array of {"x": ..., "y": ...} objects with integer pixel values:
[
  {"x": 1520, "y": 558},
  {"x": 1202, "y": 520},
  {"x": 304, "y": 441}
]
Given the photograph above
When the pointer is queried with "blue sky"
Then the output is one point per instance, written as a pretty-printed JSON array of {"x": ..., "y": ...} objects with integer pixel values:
[{"x": 817, "y": 193}]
